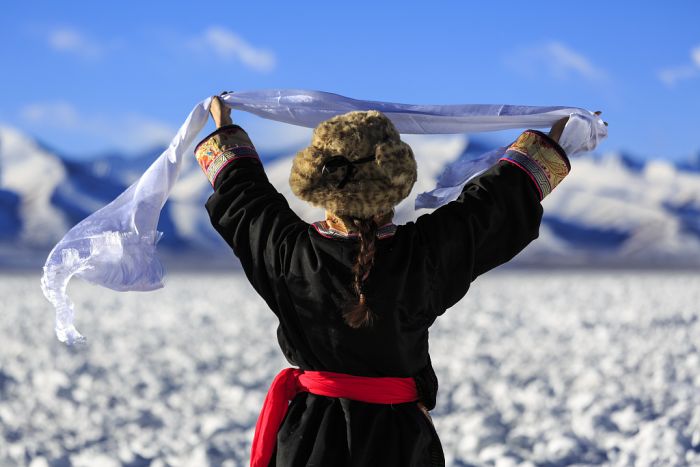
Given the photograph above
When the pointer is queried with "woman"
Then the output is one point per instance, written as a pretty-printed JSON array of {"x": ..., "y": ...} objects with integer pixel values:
[{"x": 355, "y": 294}]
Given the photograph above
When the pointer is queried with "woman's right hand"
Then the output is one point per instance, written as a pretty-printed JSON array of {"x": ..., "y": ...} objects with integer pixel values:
[{"x": 220, "y": 112}]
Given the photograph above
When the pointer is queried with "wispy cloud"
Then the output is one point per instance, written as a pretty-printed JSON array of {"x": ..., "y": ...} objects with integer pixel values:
[
  {"x": 59, "y": 114},
  {"x": 555, "y": 60},
  {"x": 129, "y": 132},
  {"x": 228, "y": 45},
  {"x": 671, "y": 76},
  {"x": 72, "y": 41}
]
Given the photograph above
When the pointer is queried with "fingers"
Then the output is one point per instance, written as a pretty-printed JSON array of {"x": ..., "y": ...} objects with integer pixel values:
[
  {"x": 597, "y": 113},
  {"x": 215, "y": 107},
  {"x": 219, "y": 112},
  {"x": 558, "y": 128}
]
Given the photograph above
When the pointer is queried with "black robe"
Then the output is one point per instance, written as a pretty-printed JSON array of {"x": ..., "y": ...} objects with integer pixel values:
[{"x": 422, "y": 268}]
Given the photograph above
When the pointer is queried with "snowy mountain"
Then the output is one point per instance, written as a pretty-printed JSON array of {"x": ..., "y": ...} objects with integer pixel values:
[{"x": 612, "y": 210}]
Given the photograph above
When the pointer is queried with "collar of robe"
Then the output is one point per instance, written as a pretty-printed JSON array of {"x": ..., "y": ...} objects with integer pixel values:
[{"x": 326, "y": 229}]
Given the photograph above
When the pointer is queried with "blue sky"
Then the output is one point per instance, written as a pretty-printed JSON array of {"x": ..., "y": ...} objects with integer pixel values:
[{"x": 90, "y": 77}]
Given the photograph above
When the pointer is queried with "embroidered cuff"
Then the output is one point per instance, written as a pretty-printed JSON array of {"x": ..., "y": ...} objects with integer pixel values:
[
  {"x": 541, "y": 157},
  {"x": 221, "y": 147}
]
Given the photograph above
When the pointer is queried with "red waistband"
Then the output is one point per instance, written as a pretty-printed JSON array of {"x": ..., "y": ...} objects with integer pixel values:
[{"x": 290, "y": 381}]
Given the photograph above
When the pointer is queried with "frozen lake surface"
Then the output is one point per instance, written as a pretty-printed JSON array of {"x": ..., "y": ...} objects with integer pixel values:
[{"x": 535, "y": 369}]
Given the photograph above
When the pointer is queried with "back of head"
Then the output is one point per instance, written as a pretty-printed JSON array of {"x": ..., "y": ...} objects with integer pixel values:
[
  {"x": 356, "y": 167},
  {"x": 375, "y": 186}
]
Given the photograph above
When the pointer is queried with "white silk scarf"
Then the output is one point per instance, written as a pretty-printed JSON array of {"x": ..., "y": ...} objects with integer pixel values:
[{"x": 115, "y": 247}]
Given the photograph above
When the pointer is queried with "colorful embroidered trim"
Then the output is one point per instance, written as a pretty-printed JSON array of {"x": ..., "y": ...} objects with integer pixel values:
[
  {"x": 221, "y": 147},
  {"x": 384, "y": 231},
  {"x": 541, "y": 158},
  {"x": 218, "y": 164}
]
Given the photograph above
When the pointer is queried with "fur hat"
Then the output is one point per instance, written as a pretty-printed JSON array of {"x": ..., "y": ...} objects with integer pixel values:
[{"x": 380, "y": 173}]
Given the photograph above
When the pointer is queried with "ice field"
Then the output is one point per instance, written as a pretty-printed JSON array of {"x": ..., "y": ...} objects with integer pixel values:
[{"x": 535, "y": 369}]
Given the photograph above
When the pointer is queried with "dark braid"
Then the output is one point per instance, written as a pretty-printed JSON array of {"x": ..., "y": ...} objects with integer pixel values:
[{"x": 359, "y": 314}]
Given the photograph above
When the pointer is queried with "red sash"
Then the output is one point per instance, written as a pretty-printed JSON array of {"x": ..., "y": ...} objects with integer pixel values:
[{"x": 291, "y": 381}]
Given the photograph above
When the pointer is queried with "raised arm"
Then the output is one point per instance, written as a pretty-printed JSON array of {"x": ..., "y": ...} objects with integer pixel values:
[
  {"x": 245, "y": 208},
  {"x": 496, "y": 215}
]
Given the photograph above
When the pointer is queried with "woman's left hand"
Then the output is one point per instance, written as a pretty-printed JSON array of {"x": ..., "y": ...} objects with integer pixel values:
[{"x": 558, "y": 129}]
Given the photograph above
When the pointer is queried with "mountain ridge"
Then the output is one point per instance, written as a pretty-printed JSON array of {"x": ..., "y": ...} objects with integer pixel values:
[{"x": 612, "y": 210}]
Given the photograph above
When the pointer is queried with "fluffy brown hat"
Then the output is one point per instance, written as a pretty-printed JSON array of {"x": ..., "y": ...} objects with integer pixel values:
[{"x": 383, "y": 175}]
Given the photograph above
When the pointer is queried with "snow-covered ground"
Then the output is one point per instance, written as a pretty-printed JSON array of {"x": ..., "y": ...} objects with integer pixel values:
[{"x": 535, "y": 368}]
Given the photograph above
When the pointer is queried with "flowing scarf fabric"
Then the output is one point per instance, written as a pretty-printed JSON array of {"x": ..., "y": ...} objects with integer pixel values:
[{"x": 116, "y": 246}]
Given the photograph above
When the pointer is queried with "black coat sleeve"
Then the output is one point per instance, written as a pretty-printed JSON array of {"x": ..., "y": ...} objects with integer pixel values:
[
  {"x": 497, "y": 214},
  {"x": 246, "y": 209}
]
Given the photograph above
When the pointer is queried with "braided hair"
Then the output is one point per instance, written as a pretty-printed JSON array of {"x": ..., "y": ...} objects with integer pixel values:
[{"x": 359, "y": 314}]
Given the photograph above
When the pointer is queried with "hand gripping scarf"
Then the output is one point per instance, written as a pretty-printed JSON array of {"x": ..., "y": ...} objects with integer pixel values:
[{"x": 116, "y": 246}]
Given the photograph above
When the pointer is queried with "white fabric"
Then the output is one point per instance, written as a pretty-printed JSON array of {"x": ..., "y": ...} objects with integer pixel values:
[
  {"x": 582, "y": 133},
  {"x": 116, "y": 246}
]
